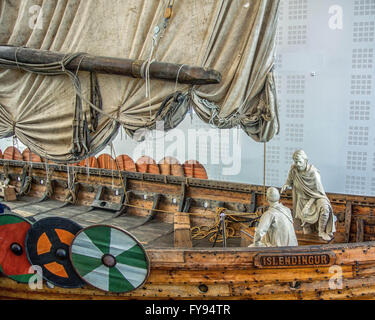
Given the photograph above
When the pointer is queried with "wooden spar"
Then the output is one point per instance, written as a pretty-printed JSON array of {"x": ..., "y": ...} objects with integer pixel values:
[{"x": 108, "y": 65}]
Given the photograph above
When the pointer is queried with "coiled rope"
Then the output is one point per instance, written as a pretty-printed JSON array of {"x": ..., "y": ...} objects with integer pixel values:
[{"x": 213, "y": 231}]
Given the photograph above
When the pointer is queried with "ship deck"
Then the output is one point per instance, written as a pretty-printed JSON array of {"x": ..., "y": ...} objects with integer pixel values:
[{"x": 151, "y": 234}]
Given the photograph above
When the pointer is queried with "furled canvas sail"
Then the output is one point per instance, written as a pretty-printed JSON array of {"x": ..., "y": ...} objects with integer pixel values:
[{"x": 46, "y": 113}]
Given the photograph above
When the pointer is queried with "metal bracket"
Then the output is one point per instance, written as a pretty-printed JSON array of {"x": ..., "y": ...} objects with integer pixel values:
[{"x": 102, "y": 204}]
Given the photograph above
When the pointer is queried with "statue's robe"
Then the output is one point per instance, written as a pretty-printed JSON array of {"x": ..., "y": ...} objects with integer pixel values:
[
  {"x": 275, "y": 228},
  {"x": 307, "y": 185}
]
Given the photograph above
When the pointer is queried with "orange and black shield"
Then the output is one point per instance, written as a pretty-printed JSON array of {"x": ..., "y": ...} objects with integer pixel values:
[{"x": 47, "y": 245}]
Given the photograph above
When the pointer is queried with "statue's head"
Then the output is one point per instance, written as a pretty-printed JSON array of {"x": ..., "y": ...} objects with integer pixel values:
[
  {"x": 273, "y": 194},
  {"x": 300, "y": 160}
]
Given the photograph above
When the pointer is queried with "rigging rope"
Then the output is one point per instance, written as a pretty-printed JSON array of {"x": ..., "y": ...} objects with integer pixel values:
[
  {"x": 178, "y": 74},
  {"x": 55, "y": 69},
  {"x": 120, "y": 175},
  {"x": 264, "y": 173},
  {"x": 213, "y": 231}
]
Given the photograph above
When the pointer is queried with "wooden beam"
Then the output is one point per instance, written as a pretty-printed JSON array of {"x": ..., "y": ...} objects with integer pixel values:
[
  {"x": 182, "y": 227},
  {"x": 182, "y": 233},
  {"x": 348, "y": 220},
  {"x": 155, "y": 205},
  {"x": 182, "y": 197},
  {"x": 360, "y": 230},
  {"x": 253, "y": 202},
  {"x": 109, "y": 65},
  {"x": 187, "y": 206}
]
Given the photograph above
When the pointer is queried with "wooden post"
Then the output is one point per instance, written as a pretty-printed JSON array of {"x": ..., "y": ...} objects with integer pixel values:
[
  {"x": 182, "y": 197},
  {"x": 348, "y": 221},
  {"x": 108, "y": 65},
  {"x": 253, "y": 202},
  {"x": 360, "y": 230},
  {"x": 182, "y": 226},
  {"x": 182, "y": 233}
]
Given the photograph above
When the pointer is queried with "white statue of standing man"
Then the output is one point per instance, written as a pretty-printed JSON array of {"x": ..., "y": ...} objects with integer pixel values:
[
  {"x": 275, "y": 228},
  {"x": 310, "y": 203}
]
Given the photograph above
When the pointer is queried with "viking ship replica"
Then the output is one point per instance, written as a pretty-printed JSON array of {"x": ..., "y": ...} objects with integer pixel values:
[{"x": 113, "y": 227}]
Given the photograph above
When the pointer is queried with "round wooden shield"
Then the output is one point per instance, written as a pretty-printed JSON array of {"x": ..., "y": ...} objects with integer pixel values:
[
  {"x": 105, "y": 161},
  {"x": 12, "y": 153},
  {"x": 47, "y": 245},
  {"x": 13, "y": 259},
  {"x": 194, "y": 169},
  {"x": 125, "y": 163},
  {"x": 30, "y": 156},
  {"x": 146, "y": 164},
  {"x": 110, "y": 259}
]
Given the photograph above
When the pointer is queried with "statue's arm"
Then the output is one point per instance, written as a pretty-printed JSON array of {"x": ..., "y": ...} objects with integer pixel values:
[
  {"x": 289, "y": 182},
  {"x": 284, "y": 187},
  {"x": 265, "y": 223}
]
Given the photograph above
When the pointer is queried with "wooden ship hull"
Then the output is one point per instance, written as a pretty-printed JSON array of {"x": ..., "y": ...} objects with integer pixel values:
[{"x": 164, "y": 212}]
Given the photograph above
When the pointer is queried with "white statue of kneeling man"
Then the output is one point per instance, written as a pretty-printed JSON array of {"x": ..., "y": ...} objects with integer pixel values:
[
  {"x": 275, "y": 228},
  {"x": 310, "y": 203}
]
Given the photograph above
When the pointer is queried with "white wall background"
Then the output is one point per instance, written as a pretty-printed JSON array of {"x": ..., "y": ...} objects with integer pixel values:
[{"x": 325, "y": 73}]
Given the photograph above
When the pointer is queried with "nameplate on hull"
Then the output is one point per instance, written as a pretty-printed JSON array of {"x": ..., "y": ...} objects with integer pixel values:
[{"x": 291, "y": 260}]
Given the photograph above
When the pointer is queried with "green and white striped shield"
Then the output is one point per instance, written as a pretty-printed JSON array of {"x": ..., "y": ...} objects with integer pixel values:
[{"x": 109, "y": 259}]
